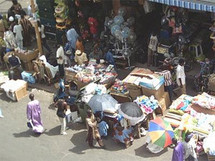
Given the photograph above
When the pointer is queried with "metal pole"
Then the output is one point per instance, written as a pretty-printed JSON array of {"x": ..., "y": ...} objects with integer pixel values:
[{"x": 38, "y": 37}]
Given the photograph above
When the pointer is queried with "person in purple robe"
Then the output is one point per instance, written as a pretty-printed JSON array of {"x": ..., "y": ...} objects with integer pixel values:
[
  {"x": 34, "y": 114},
  {"x": 178, "y": 153}
]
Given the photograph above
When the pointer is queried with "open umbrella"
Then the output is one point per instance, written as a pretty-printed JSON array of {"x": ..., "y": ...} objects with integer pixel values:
[
  {"x": 104, "y": 102},
  {"x": 132, "y": 112},
  {"x": 160, "y": 132}
]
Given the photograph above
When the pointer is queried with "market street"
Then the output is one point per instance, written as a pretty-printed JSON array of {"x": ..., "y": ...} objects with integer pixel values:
[{"x": 20, "y": 143}]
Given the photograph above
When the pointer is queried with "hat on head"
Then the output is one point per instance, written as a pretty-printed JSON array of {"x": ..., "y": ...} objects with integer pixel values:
[
  {"x": 78, "y": 52},
  {"x": 11, "y": 19}
]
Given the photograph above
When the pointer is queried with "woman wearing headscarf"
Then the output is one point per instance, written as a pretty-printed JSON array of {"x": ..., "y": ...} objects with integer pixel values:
[{"x": 27, "y": 28}]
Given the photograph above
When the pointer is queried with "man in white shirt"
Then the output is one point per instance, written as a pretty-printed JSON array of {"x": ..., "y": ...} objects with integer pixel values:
[
  {"x": 180, "y": 76},
  {"x": 152, "y": 48},
  {"x": 18, "y": 32},
  {"x": 60, "y": 59}
]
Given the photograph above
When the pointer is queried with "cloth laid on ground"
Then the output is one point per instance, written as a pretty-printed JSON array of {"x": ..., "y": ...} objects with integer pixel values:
[
  {"x": 205, "y": 122},
  {"x": 182, "y": 103},
  {"x": 205, "y": 101},
  {"x": 208, "y": 144},
  {"x": 53, "y": 69},
  {"x": 148, "y": 105}
]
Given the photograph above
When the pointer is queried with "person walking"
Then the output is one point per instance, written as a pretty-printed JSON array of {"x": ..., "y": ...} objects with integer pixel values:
[
  {"x": 178, "y": 152},
  {"x": 43, "y": 37},
  {"x": 34, "y": 114},
  {"x": 180, "y": 77},
  {"x": 60, "y": 59},
  {"x": 61, "y": 113},
  {"x": 17, "y": 30},
  {"x": 152, "y": 47},
  {"x": 92, "y": 130}
]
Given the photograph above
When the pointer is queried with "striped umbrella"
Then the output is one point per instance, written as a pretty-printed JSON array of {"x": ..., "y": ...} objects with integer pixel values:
[{"x": 160, "y": 132}]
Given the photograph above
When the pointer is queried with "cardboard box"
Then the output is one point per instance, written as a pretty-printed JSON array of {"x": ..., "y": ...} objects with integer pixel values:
[
  {"x": 80, "y": 84},
  {"x": 121, "y": 98},
  {"x": 167, "y": 99},
  {"x": 70, "y": 75},
  {"x": 134, "y": 91},
  {"x": 21, "y": 92},
  {"x": 158, "y": 94},
  {"x": 162, "y": 104}
]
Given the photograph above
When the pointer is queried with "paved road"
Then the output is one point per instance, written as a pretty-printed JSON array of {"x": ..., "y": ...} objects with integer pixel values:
[{"x": 17, "y": 143}]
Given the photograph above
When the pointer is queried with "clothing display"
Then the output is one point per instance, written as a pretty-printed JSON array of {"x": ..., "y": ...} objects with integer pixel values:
[{"x": 148, "y": 105}]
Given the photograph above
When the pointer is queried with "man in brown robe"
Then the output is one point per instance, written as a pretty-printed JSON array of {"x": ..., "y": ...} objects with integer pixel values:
[
  {"x": 92, "y": 130},
  {"x": 27, "y": 28}
]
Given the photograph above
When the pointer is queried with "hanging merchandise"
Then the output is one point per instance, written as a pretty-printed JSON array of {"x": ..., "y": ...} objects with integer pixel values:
[
  {"x": 118, "y": 20},
  {"x": 148, "y": 7},
  {"x": 62, "y": 14}
]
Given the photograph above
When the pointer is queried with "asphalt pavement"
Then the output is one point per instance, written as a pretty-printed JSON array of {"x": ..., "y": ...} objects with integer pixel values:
[{"x": 18, "y": 143}]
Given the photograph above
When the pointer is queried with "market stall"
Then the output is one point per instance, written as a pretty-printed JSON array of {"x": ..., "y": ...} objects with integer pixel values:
[
  {"x": 194, "y": 115},
  {"x": 143, "y": 81},
  {"x": 26, "y": 57},
  {"x": 83, "y": 75}
]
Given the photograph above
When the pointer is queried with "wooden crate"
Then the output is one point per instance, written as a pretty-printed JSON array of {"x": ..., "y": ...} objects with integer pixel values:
[
  {"x": 211, "y": 157},
  {"x": 69, "y": 75},
  {"x": 21, "y": 92}
]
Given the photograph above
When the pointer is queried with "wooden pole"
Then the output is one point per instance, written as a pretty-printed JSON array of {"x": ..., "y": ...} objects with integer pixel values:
[{"x": 38, "y": 36}]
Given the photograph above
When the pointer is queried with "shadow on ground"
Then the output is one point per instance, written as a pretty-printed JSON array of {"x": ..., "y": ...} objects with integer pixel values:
[
  {"x": 79, "y": 140},
  {"x": 145, "y": 153},
  {"x": 28, "y": 133},
  {"x": 54, "y": 131}
]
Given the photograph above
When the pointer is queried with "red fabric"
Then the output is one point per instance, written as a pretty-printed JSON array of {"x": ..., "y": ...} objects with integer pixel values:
[
  {"x": 180, "y": 106},
  {"x": 93, "y": 23}
]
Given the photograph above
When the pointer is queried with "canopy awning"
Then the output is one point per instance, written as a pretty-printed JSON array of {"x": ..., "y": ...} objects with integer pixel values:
[{"x": 203, "y": 5}]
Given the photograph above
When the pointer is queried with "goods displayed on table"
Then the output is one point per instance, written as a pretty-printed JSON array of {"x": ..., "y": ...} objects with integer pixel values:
[
  {"x": 144, "y": 81},
  {"x": 15, "y": 89},
  {"x": 148, "y": 105},
  {"x": 194, "y": 115},
  {"x": 205, "y": 101},
  {"x": 119, "y": 87},
  {"x": 87, "y": 74}
]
